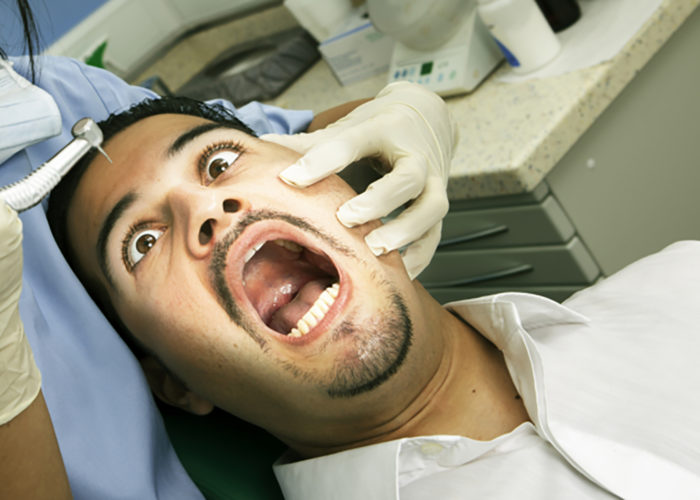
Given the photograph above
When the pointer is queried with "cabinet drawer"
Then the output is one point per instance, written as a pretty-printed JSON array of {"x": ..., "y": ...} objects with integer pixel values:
[
  {"x": 534, "y": 224},
  {"x": 565, "y": 264},
  {"x": 558, "y": 293}
]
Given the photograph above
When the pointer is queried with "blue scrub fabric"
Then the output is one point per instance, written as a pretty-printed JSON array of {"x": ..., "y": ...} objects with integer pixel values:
[{"x": 109, "y": 430}]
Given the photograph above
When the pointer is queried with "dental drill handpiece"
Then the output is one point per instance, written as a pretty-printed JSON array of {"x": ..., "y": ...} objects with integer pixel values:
[{"x": 29, "y": 191}]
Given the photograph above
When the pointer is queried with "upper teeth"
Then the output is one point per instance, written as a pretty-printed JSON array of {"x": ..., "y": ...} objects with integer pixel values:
[
  {"x": 252, "y": 251},
  {"x": 289, "y": 245},
  {"x": 317, "y": 311}
]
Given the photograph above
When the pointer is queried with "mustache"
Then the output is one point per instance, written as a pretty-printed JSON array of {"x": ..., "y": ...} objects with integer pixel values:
[{"x": 217, "y": 266}]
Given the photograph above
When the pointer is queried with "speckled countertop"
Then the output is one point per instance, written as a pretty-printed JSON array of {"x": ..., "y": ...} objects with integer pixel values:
[{"x": 513, "y": 134}]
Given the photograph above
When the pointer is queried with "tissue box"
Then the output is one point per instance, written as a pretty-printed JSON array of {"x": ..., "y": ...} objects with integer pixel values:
[{"x": 358, "y": 51}]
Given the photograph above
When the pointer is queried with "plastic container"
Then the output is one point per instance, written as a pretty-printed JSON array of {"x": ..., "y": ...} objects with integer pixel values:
[
  {"x": 521, "y": 31},
  {"x": 560, "y": 14}
]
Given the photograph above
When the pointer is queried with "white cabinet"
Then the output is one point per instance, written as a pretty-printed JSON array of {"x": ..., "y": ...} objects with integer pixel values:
[
  {"x": 631, "y": 184},
  {"x": 137, "y": 30}
]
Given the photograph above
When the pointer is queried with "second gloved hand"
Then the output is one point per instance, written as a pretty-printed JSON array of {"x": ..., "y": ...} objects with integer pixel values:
[
  {"x": 20, "y": 380},
  {"x": 410, "y": 129}
]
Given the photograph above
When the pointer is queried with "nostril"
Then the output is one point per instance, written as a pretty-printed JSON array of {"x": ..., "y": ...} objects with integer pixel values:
[
  {"x": 206, "y": 231},
  {"x": 231, "y": 206}
]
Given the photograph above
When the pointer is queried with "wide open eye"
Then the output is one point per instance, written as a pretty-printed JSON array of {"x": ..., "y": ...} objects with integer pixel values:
[
  {"x": 140, "y": 243},
  {"x": 217, "y": 163}
]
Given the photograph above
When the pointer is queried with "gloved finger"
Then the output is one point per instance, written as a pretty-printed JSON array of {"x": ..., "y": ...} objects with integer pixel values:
[
  {"x": 405, "y": 182},
  {"x": 418, "y": 255},
  {"x": 328, "y": 157},
  {"x": 320, "y": 162},
  {"x": 10, "y": 252},
  {"x": 429, "y": 208}
]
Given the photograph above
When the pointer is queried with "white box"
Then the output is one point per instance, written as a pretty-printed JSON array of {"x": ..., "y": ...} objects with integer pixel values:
[{"x": 359, "y": 52}]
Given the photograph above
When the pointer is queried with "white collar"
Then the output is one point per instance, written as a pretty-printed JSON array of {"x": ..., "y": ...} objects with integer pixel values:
[
  {"x": 336, "y": 475},
  {"x": 504, "y": 319}
]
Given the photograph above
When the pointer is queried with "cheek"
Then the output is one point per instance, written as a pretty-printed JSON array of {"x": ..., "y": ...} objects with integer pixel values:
[
  {"x": 168, "y": 321},
  {"x": 335, "y": 189},
  {"x": 276, "y": 159},
  {"x": 317, "y": 203}
]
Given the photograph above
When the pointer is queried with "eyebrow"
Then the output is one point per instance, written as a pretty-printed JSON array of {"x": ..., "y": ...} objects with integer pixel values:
[
  {"x": 191, "y": 134},
  {"x": 106, "y": 229}
]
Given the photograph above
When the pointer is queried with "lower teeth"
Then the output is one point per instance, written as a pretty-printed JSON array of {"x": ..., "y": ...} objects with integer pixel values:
[{"x": 316, "y": 313}]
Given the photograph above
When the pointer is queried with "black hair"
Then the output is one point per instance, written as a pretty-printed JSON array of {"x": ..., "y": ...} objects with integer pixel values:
[
  {"x": 62, "y": 194},
  {"x": 31, "y": 34}
]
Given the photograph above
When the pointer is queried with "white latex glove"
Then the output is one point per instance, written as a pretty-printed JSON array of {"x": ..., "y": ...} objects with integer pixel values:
[
  {"x": 20, "y": 380},
  {"x": 410, "y": 128}
]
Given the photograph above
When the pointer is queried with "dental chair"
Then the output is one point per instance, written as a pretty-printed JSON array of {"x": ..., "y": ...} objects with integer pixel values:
[{"x": 227, "y": 458}]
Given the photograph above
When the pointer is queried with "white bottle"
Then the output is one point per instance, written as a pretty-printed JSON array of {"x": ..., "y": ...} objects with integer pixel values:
[{"x": 521, "y": 31}]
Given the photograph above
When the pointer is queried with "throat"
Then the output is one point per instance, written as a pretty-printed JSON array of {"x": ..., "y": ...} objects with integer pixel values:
[
  {"x": 471, "y": 393},
  {"x": 477, "y": 398}
]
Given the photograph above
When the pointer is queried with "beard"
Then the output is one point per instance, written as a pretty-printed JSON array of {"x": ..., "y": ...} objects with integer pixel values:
[
  {"x": 373, "y": 348},
  {"x": 380, "y": 348}
]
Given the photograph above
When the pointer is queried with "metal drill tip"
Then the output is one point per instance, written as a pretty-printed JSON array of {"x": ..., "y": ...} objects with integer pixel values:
[
  {"x": 104, "y": 153},
  {"x": 87, "y": 129}
]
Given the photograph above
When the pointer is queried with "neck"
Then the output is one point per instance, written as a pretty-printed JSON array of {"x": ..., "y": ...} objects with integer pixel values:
[
  {"x": 476, "y": 397},
  {"x": 470, "y": 393}
]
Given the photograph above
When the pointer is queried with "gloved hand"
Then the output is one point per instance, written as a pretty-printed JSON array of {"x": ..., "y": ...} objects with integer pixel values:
[
  {"x": 20, "y": 380},
  {"x": 407, "y": 126}
]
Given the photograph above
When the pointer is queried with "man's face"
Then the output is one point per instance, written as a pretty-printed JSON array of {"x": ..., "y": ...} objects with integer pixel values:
[{"x": 247, "y": 289}]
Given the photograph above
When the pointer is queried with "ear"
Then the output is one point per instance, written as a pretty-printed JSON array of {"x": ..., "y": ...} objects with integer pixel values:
[{"x": 169, "y": 389}]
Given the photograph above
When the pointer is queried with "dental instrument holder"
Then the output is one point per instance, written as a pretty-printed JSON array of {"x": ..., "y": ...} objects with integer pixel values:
[{"x": 27, "y": 192}]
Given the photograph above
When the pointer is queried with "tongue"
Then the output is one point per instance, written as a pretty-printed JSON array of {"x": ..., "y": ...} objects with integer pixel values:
[
  {"x": 282, "y": 286},
  {"x": 287, "y": 317}
]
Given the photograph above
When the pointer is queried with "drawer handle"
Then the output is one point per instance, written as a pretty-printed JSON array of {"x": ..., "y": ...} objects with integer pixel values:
[
  {"x": 474, "y": 236},
  {"x": 522, "y": 268}
]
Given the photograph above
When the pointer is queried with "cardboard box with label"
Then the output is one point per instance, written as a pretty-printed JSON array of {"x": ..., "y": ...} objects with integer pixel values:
[{"x": 358, "y": 51}]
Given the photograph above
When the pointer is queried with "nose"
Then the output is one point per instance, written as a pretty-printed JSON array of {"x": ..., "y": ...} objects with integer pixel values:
[{"x": 201, "y": 215}]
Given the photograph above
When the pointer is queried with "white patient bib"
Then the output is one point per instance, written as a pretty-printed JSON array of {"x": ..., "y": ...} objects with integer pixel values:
[{"x": 28, "y": 114}]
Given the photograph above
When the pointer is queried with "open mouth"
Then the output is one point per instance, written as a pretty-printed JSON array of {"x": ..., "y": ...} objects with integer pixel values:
[{"x": 291, "y": 287}]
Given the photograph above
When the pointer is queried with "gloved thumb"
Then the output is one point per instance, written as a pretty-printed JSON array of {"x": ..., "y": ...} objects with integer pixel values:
[
  {"x": 20, "y": 379},
  {"x": 10, "y": 254},
  {"x": 322, "y": 156}
]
